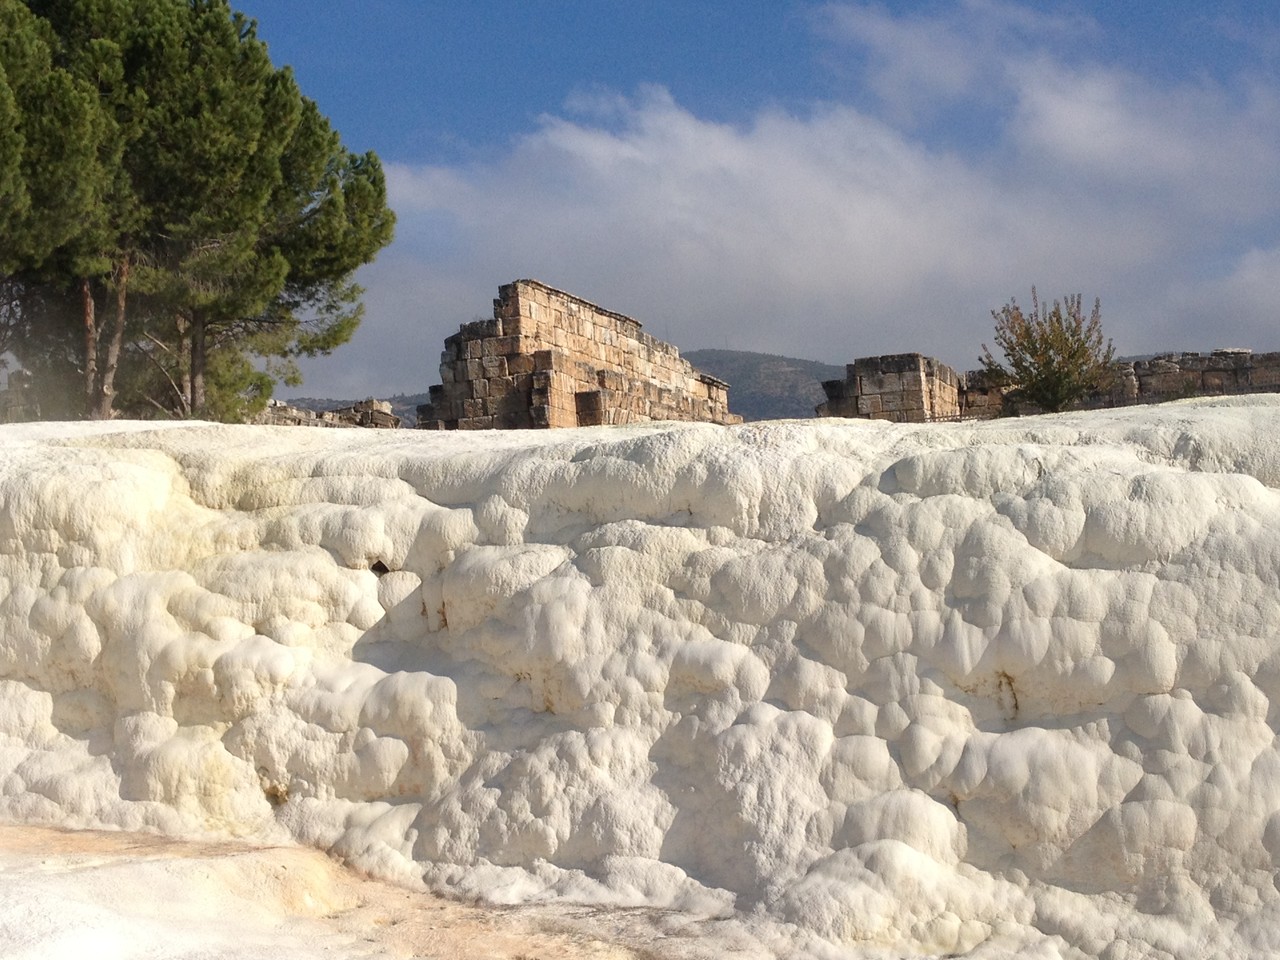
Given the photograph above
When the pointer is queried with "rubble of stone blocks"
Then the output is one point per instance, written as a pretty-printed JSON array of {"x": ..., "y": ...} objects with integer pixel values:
[
  {"x": 370, "y": 413},
  {"x": 550, "y": 359},
  {"x": 375, "y": 414},
  {"x": 910, "y": 387}
]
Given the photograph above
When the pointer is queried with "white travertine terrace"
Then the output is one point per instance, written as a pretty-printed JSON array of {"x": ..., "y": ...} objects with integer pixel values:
[{"x": 865, "y": 689}]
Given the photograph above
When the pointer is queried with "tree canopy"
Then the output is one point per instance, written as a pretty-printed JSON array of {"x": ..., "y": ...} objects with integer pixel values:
[
  {"x": 50, "y": 128},
  {"x": 220, "y": 220},
  {"x": 1053, "y": 357}
]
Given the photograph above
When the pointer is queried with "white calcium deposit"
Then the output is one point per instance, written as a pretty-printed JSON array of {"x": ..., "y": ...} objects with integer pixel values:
[{"x": 850, "y": 689}]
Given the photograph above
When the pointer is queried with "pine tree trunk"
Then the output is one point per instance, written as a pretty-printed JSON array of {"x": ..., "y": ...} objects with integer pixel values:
[
  {"x": 90, "y": 347},
  {"x": 184, "y": 362},
  {"x": 107, "y": 394},
  {"x": 198, "y": 346}
]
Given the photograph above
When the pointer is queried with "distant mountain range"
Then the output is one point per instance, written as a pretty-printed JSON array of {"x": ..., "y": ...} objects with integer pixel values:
[{"x": 762, "y": 386}]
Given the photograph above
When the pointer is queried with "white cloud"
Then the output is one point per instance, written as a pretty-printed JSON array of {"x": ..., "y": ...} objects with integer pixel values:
[
  {"x": 839, "y": 233},
  {"x": 1211, "y": 153},
  {"x": 920, "y": 64},
  {"x": 1240, "y": 308}
]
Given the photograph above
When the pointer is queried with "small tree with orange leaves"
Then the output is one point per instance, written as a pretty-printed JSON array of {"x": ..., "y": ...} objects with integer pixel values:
[{"x": 1053, "y": 357}]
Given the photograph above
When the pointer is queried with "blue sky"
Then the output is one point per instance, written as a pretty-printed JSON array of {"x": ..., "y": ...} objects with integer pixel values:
[{"x": 822, "y": 180}]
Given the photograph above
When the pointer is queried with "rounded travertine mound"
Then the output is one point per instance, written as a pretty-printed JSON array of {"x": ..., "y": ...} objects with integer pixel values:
[{"x": 873, "y": 690}]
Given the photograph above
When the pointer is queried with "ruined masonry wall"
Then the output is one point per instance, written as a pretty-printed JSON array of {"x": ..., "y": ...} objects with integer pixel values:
[
  {"x": 912, "y": 388},
  {"x": 905, "y": 387},
  {"x": 550, "y": 359},
  {"x": 366, "y": 413}
]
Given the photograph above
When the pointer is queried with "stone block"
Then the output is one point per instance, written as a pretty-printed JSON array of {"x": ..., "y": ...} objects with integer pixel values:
[
  {"x": 610, "y": 380},
  {"x": 506, "y": 308},
  {"x": 511, "y": 404},
  {"x": 520, "y": 363},
  {"x": 882, "y": 383},
  {"x": 494, "y": 366},
  {"x": 519, "y": 326},
  {"x": 889, "y": 363},
  {"x": 589, "y": 408},
  {"x": 1169, "y": 383},
  {"x": 1266, "y": 376},
  {"x": 520, "y": 418},
  {"x": 559, "y": 417},
  {"x": 501, "y": 346},
  {"x": 891, "y": 402}
]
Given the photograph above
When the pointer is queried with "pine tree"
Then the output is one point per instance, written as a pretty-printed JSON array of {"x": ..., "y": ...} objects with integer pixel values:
[
  {"x": 50, "y": 127},
  {"x": 232, "y": 218}
]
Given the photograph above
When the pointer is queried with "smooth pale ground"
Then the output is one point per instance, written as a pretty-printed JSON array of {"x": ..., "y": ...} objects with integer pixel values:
[
  {"x": 73, "y": 895},
  {"x": 808, "y": 689}
]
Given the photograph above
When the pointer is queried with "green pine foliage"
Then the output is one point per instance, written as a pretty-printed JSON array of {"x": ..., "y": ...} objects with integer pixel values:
[
  {"x": 226, "y": 223},
  {"x": 50, "y": 128},
  {"x": 1053, "y": 356}
]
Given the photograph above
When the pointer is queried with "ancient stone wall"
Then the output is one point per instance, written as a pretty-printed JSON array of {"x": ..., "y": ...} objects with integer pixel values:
[
  {"x": 550, "y": 359},
  {"x": 905, "y": 387},
  {"x": 366, "y": 413},
  {"x": 913, "y": 388},
  {"x": 1173, "y": 376}
]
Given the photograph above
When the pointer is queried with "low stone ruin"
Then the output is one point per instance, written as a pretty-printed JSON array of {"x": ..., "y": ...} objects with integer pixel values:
[
  {"x": 371, "y": 413},
  {"x": 905, "y": 387},
  {"x": 550, "y": 359},
  {"x": 912, "y": 388}
]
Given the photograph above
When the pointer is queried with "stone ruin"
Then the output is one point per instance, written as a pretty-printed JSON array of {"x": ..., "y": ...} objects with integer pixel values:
[
  {"x": 366, "y": 413},
  {"x": 904, "y": 387},
  {"x": 550, "y": 359},
  {"x": 912, "y": 388}
]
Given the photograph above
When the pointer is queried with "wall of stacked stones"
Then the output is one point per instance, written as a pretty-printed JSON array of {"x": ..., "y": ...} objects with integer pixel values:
[
  {"x": 904, "y": 387},
  {"x": 915, "y": 388},
  {"x": 366, "y": 413},
  {"x": 549, "y": 359},
  {"x": 1175, "y": 376}
]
